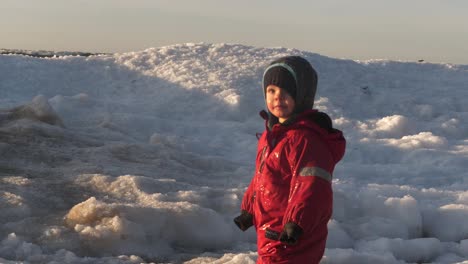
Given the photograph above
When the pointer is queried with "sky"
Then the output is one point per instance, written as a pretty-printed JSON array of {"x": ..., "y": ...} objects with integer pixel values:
[
  {"x": 433, "y": 30},
  {"x": 144, "y": 157}
]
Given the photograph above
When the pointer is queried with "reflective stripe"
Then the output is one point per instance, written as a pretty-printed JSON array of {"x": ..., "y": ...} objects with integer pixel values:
[
  {"x": 284, "y": 65},
  {"x": 316, "y": 171}
]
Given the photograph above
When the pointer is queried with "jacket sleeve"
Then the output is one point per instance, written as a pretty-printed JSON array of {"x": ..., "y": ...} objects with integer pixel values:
[
  {"x": 247, "y": 200},
  {"x": 310, "y": 198},
  {"x": 249, "y": 195},
  {"x": 245, "y": 219}
]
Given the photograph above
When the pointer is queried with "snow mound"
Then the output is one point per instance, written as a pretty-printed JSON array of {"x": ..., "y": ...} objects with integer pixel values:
[
  {"x": 38, "y": 110},
  {"x": 160, "y": 144},
  {"x": 151, "y": 229}
]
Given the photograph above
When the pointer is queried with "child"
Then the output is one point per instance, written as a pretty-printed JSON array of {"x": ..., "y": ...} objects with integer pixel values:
[{"x": 290, "y": 198}]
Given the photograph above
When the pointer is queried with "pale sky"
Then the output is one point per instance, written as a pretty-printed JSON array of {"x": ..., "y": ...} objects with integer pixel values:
[{"x": 433, "y": 30}]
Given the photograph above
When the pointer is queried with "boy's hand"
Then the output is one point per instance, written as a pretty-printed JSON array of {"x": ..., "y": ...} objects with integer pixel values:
[
  {"x": 291, "y": 233},
  {"x": 244, "y": 220}
]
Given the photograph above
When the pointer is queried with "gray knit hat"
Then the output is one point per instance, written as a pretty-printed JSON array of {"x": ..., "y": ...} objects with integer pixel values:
[
  {"x": 281, "y": 77},
  {"x": 296, "y": 75}
]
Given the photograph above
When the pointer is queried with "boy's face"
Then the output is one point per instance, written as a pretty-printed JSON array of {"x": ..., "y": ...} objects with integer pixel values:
[{"x": 279, "y": 102}]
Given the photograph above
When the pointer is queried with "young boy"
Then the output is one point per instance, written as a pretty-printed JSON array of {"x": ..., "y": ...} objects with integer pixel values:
[{"x": 290, "y": 198}]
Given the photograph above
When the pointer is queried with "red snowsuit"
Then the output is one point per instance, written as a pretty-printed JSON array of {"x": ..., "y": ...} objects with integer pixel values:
[{"x": 292, "y": 184}]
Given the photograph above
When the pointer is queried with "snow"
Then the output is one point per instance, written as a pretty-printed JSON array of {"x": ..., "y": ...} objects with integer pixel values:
[{"x": 144, "y": 156}]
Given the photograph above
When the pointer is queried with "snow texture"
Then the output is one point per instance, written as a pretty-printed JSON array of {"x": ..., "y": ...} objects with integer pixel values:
[{"x": 143, "y": 157}]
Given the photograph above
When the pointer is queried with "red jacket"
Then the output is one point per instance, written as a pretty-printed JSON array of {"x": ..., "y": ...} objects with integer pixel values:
[{"x": 292, "y": 184}]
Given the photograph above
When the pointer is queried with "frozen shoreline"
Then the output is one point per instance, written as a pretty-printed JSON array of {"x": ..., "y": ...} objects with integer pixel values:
[{"x": 154, "y": 150}]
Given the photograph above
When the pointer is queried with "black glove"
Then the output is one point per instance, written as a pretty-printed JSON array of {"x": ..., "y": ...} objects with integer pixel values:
[
  {"x": 291, "y": 233},
  {"x": 244, "y": 220}
]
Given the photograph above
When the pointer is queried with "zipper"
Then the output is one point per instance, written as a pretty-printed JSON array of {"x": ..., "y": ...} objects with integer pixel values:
[{"x": 262, "y": 161}]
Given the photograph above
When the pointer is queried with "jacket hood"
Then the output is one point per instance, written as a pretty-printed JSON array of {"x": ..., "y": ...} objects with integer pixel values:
[{"x": 321, "y": 124}]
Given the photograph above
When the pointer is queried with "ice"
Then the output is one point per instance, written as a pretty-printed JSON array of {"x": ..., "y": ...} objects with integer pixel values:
[
  {"x": 14, "y": 248},
  {"x": 447, "y": 222},
  {"x": 143, "y": 157},
  {"x": 421, "y": 140},
  {"x": 413, "y": 250},
  {"x": 393, "y": 126},
  {"x": 37, "y": 110},
  {"x": 337, "y": 236}
]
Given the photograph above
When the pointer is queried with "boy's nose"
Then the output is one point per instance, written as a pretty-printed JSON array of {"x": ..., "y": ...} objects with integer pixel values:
[{"x": 280, "y": 95}]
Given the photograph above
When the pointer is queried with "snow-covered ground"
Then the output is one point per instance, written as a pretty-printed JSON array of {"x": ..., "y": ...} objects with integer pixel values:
[{"x": 144, "y": 156}]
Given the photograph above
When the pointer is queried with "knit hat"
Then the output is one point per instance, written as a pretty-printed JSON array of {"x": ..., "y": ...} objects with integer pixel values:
[
  {"x": 297, "y": 76},
  {"x": 280, "y": 76}
]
